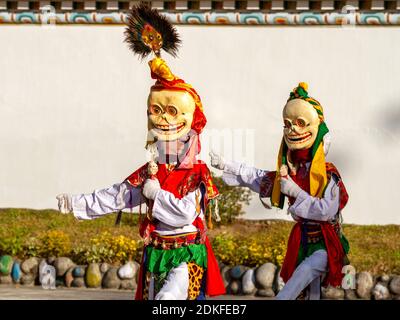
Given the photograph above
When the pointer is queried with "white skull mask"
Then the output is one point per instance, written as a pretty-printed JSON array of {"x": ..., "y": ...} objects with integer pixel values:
[
  {"x": 170, "y": 114},
  {"x": 301, "y": 124}
]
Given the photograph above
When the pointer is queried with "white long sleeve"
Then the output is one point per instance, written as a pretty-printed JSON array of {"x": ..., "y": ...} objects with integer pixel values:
[
  {"x": 238, "y": 174},
  {"x": 313, "y": 208},
  {"x": 174, "y": 212},
  {"x": 104, "y": 201}
]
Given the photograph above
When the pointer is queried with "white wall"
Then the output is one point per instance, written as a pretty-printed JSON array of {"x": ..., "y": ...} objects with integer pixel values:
[{"x": 73, "y": 101}]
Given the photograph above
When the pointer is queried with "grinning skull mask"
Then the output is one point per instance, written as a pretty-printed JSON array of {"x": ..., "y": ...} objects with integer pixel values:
[
  {"x": 174, "y": 109},
  {"x": 304, "y": 128},
  {"x": 170, "y": 114},
  {"x": 301, "y": 123}
]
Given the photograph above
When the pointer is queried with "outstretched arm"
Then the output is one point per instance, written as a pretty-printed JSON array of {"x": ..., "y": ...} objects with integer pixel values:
[
  {"x": 238, "y": 174},
  {"x": 101, "y": 202}
]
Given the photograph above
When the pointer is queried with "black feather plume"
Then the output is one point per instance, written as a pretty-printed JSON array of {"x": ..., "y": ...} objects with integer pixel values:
[{"x": 141, "y": 15}]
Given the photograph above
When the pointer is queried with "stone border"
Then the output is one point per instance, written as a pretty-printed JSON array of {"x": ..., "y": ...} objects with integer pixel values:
[
  {"x": 265, "y": 281},
  {"x": 208, "y": 18},
  {"x": 62, "y": 271},
  {"x": 262, "y": 281}
]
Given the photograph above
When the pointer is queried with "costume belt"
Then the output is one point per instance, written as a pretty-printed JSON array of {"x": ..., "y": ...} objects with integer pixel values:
[
  {"x": 174, "y": 241},
  {"x": 312, "y": 232}
]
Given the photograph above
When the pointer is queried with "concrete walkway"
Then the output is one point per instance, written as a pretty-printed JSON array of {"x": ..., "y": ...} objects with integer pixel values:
[{"x": 38, "y": 293}]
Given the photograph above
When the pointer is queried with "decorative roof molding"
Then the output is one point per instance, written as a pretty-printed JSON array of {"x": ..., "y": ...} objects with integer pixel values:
[
  {"x": 211, "y": 18},
  {"x": 294, "y": 13}
]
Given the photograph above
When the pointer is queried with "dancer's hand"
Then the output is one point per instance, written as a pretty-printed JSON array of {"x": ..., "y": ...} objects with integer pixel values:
[
  {"x": 289, "y": 187},
  {"x": 284, "y": 171},
  {"x": 217, "y": 161},
  {"x": 150, "y": 188},
  {"x": 64, "y": 203}
]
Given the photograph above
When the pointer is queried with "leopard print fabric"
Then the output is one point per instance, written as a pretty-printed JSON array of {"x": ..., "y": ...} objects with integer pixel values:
[
  {"x": 146, "y": 285},
  {"x": 195, "y": 280},
  {"x": 196, "y": 274}
]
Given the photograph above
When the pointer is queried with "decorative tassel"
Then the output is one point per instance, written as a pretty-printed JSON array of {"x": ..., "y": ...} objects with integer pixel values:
[
  {"x": 209, "y": 220},
  {"x": 140, "y": 214},
  {"x": 216, "y": 211}
]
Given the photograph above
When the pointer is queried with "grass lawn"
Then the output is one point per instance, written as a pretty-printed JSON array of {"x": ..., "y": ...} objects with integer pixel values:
[{"x": 372, "y": 248}]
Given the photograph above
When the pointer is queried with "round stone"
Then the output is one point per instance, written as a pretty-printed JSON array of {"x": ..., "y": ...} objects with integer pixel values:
[
  {"x": 237, "y": 272},
  {"x": 395, "y": 285},
  {"x": 110, "y": 279},
  {"x": 380, "y": 292},
  {"x": 332, "y": 293},
  {"x": 128, "y": 270},
  {"x": 129, "y": 284},
  {"x": 79, "y": 271},
  {"x": 93, "y": 276},
  {"x": 62, "y": 265},
  {"x": 59, "y": 282},
  {"x": 27, "y": 280},
  {"x": 104, "y": 267},
  {"x": 226, "y": 275},
  {"x": 365, "y": 283},
  {"x": 68, "y": 278},
  {"x": 30, "y": 266},
  {"x": 16, "y": 272},
  {"x": 42, "y": 266},
  {"x": 350, "y": 294},
  {"x": 51, "y": 260},
  {"x": 78, "y": 283},
  {"x": 235, "y": 287},
  {"x": 266, "y": 293},
  {"x": 385, "y": 278},
  {"x": 249, "y": 282},
  {"x": 265, "y": 275},
  {"x": 5, "y": 279},
  {"x": 47, "y": 274},
  {"x": 6, "y": 263},
  {"x": 279, "y": 283}
]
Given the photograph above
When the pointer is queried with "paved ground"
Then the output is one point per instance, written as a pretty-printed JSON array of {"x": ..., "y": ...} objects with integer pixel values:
[{"x": 37, "y": 293}]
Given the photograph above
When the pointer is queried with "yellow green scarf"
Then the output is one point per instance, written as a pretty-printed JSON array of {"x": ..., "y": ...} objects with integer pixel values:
[{"x": 318, "y": 176}]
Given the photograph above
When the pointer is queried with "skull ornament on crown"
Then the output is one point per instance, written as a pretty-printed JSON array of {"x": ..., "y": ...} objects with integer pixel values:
[{"x": 174, "y": 109}]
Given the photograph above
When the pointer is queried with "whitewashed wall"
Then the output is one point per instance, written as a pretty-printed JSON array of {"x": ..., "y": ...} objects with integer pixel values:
[{"x": 73, "y": 117}]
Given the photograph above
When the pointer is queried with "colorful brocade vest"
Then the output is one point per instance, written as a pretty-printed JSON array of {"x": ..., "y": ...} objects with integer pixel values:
[{"x": 181, "y": 181}]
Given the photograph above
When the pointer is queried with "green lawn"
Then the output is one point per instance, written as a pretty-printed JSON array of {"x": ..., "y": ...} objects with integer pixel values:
[{"x": 34, "y": 232}]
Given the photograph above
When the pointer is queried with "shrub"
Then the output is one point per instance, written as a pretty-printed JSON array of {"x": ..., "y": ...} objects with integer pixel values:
[
  {"x": 251, "y": 251},
  {"x": 107, "y": 248},
  {"x": 54, "y": 243},
  {"x": 231, "y": 200}
]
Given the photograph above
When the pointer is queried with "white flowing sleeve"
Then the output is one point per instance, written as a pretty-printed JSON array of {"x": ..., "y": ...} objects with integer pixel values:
[
  {"x": 104, "y": 201},
  {"x": 175, "y": 212},
  {"x": 313, "y": 208},
  {"x": 238, "y": 174}
]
